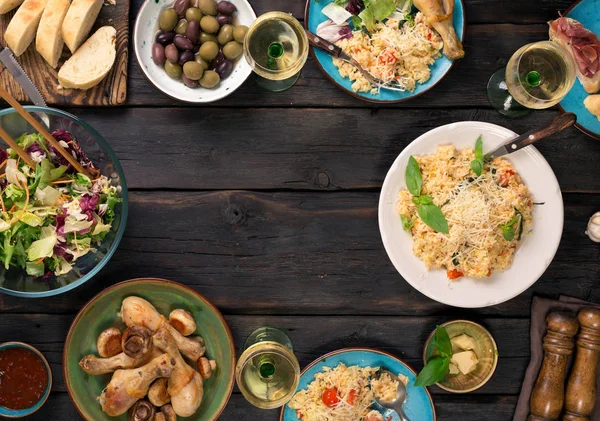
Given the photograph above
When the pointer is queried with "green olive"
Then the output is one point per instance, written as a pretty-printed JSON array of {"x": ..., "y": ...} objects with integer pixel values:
[
  {"x": 209, "y": 50},
  {"x": 210, "y": 79},
  {"x": 204, "y": 37},
  {"x": 232, "y": 50},
  {"x": 208, "y": 7},
  {"x": 173, "y": 69},
  {"x": 239, "y": 33},
  {"x": 203, "y": 62},
  {"x": 193, "y": 13},
  {"x": 167, "y": 20},
  {"x": 193, "y": 70},
  {"x": 225, "y": 34},
  {"x": 181, "y": 27},
  {"x": 209, "y": 24}
]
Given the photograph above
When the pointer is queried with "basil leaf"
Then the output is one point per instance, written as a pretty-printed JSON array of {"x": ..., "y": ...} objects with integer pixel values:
[
  {"x": 433, "y": 216},
  {"x": 434, "y": 371},
  {"x": 414, "y": 181},
  {"x": 508, "y": 232},
  {"x": 407, "y": 224},
  {"x": 479, "y": 148},
  {"x": 477, "y": 166},
  {"x": 442, "y": 342}
]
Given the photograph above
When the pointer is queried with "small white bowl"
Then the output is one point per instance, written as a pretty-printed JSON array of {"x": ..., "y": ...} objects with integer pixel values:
[{"x": 144, "y": 33}]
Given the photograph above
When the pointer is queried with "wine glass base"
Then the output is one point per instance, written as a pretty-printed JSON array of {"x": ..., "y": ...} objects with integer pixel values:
[
  {"x": 501, "y": 99},
  {"x": 276, "y": 85}
]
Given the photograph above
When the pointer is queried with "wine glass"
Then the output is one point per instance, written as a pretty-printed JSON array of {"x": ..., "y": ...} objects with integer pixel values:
[
  {"x": 268, "y": 372},
  {"x": 537, "y": 76},
  {"x": 276, "y": 47}
]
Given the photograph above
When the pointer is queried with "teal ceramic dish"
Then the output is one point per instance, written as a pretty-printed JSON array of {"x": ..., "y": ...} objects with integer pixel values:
[
  {"x": 20, "y": 413},
  {"x": 313, "y": 16},
  {"x": 586, "y": 12},
  {"x": 16, "y": 281},
  {"x": 101, "y": 312},
  {"x": 418, "y": 406}
]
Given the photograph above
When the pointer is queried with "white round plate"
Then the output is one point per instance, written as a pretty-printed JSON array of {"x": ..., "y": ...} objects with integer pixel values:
[
  {"x": 532, "y": 257},
  {"x": 143, "y": 37}
]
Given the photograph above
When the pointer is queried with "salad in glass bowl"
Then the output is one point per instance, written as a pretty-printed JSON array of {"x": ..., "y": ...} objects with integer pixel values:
[{"x": 51, "y": 215}]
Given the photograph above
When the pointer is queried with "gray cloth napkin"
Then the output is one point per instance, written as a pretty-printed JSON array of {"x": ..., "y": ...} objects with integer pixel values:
[{"x": 540, "y": 307}]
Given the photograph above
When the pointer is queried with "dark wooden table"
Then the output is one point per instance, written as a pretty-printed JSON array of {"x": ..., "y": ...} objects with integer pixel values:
[{"x": 267, "y": 204}]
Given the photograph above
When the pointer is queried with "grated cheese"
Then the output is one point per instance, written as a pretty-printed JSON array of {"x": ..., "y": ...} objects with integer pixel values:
[{"x": 475, "y": 208}]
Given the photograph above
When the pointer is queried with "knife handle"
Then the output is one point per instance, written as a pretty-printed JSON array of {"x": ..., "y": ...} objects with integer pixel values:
[
  {"x": 322, "y": 44},
  {"x": 558, "y": 124}
]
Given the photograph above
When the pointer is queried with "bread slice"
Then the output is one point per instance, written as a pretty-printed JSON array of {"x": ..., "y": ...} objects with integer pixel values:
[
  {"x": 49, "y": 42},
  {"x": 592, "y": 103},
  {"x": 8, "y": 5},
  {"x": 22, "y": 27},
  {"x": 91, "y": 62},
  {"x": 79, "y": 21}
]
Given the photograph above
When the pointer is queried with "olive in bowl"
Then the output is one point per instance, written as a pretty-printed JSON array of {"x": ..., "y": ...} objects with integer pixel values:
[{"x": 198, "y": 28}]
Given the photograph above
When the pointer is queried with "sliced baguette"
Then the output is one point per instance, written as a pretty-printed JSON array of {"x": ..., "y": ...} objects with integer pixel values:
[
  {"x": 8, "y": 5},
  {"x": 22, "y": 27},
  {"x": 91, "y": 62},
  {"x": 79, "y": 21},
  {"x": 49, "y": 42},
  {"x": 592, "y": 103}
]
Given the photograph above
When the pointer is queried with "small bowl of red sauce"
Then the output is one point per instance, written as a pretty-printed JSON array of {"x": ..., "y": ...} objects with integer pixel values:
[{"x": 25, "y": 379}]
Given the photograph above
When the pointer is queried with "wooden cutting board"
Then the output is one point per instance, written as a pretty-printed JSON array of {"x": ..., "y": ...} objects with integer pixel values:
[{"x": 111, "y": 91}]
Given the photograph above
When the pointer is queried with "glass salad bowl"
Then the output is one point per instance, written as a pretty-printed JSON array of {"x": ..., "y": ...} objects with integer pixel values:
[{"x": 15, "y": 281}]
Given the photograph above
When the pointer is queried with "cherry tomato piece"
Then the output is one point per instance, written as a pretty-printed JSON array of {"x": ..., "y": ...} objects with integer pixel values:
[
  {"x": 454, "y": 274},
  {"x": 330, "y": 398}
]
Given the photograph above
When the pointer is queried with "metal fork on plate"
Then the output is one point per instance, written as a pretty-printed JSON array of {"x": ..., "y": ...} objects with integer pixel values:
[{"x": 335, "y": 51}]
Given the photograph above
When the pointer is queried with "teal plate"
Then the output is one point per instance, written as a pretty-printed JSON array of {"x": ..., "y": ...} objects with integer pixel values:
[
  {"x": 586, "y": 12},
  {"x": 418, "y": 406},
  {"x": 313, "y": 16}
]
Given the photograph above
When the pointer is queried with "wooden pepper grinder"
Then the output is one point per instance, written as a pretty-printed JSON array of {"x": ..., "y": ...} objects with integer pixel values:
[
  {"x": 548, "y": 393},
  {"x": 581, "y": 389}
]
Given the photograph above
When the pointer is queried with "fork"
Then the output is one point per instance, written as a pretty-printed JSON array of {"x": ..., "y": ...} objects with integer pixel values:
[{"x": 335, "y": 51}]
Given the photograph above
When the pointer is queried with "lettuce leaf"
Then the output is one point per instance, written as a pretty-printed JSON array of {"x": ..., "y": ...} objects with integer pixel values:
[
  {"x": 376, "y": 11},
  {"x": 8, "y": 249},
  {"x": 73, "y": 225},
  {"x": 48, "y": 196},
  {"x": 34, "y": 269},
  {"x": 31, "y": 219},
  {"x": 44, "y": 247}
]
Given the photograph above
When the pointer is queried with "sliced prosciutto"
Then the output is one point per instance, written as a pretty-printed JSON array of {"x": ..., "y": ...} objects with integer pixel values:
[{"x": 585, "y": 45}]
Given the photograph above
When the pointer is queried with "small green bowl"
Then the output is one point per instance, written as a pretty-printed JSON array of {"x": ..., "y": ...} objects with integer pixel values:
[
  {"x": 485, "y": 349},
  {"x": 101, "y": 313},
  {"x": 20, "y": 413}
]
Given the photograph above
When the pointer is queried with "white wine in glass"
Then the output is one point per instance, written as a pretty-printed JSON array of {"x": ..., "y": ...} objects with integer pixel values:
[
  {"x": 537, "y": 76},
  {"x": 276, "y": 47},
  {"x": 268, "y": 372}
]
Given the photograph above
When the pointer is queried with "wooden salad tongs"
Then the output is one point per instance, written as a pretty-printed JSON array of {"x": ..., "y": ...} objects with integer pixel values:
[{"x": 41, "y": 129}]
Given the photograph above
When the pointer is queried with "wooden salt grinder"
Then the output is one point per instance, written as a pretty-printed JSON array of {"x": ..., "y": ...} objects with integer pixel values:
[
  {"x": 581, "y": 389},
  {"x": 548, "y": 393}
]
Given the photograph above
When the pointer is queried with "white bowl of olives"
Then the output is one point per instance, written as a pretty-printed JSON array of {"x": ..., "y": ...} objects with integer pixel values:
[{"x": 191, "y": 50}]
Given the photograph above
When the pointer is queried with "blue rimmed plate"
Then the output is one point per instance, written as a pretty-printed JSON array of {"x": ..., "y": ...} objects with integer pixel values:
[
  {"x": 418, "y": 406},
  {"x": 313, "y": 16},
  {"x": 586, "y": 12}
]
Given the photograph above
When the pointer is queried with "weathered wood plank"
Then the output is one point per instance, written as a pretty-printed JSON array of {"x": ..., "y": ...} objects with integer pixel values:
[
  {"x": 298, "y": 253},
  {"x": 488, "y": 47},
  {"x": 285, "y": 149},
  {"x": 448, "y": 408},
  {"x": 401, "y": 336}
]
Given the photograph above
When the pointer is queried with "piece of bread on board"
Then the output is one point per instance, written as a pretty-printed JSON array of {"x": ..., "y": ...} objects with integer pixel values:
[
  {"x": 48, "y": 41},
  {"x": 91, "y": 62},
  {"x": 592, "y": 103},
  {"x": 8, "y": 5},
  {"x": 22, "y": 27},
  {"x": 79, "y": 21}
]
